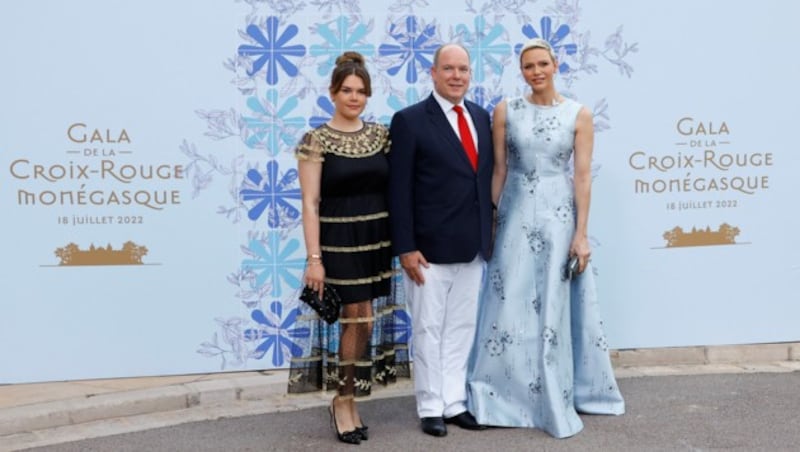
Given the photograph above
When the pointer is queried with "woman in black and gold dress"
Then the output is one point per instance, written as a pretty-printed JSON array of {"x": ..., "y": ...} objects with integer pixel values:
[{"x": 343, "y": 178}]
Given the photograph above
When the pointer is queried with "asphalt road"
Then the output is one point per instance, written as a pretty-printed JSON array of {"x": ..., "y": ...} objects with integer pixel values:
[{"x": 758, "y": 412}]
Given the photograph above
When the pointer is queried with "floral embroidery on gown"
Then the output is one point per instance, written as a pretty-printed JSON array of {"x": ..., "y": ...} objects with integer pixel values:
[{"x": 540, "y": 355}]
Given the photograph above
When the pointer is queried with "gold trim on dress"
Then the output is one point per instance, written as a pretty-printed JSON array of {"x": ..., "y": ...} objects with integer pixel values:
[
  {"x": 356, "y": 218},
  {"x": 379, "y": 315},
  {"x": 356, "y": 319},
  {"x": 370, "y": 140},
  {"x": 309, "y": 149},
  {"x": 355, "y": 282},
  {"x": 354, "y": 249},
  {"x": 308, "y": 157},
  {"x": 306, "y": 360}
]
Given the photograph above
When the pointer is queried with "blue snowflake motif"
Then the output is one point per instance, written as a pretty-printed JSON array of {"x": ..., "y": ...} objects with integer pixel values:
[
  {"x": 553, "y": 38},
  {"x": 273, "y": 194},
  {"x": 411, "y": 98},
  {"x": 327, "y": 108},
  {"x": 484, "y": 98},
  {"x": 272, "y": 126},
  {"x": 397, "y": 103},
  {"x": 414, "y": 47},
  {"x": 337, "y": 41},
  {"x": 400, "y": 328},
  {"x": 274, "y": 264},
  {"x": 333, "y": 334},
  {"x": 277, "y": 333},
  {"x": 485, "y": 54},
  {"x": 272, "y": 50}
]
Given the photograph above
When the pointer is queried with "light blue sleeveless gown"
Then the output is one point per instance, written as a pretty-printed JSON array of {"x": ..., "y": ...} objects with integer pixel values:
[{"x": 540, "y": 355}]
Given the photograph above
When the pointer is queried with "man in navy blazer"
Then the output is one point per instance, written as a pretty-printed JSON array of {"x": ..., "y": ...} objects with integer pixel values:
[{"x": 441, "y": 217}]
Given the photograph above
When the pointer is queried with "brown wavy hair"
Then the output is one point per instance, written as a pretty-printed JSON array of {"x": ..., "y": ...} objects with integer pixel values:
[{"x": 350, "y": 63}]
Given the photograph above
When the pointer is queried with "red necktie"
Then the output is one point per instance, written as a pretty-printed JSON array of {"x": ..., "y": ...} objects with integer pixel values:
[{"x": 466, "y": 137}]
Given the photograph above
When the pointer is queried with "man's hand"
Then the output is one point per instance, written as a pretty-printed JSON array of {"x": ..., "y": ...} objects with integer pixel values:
[{"x": 411, "y": 263}]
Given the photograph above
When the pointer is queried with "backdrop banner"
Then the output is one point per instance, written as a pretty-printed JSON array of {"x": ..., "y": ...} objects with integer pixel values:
[{"x": 151, "y": 198}]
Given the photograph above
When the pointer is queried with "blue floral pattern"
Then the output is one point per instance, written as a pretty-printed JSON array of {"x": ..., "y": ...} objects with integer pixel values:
[
  {"x": 325, "y": 104},
  {"x": 553, "y": 38},
  {"x": 279, "y": 75},
  {"x": 339, "y": 39},
  {"x": 401, "y": 327},
  {"x": 273, "y": 193},
  {"x": 272, "y": 50},
  {"x": 273, "y": 264},
  {"x": 414, "y": 48},
  {"x": 486, "y": 54},
  {"x": 558, "y": 337},
  {"x": 277, "y": 333},
  {"x": 272, "y": 128},
  {"x": 485, "y": 98}
]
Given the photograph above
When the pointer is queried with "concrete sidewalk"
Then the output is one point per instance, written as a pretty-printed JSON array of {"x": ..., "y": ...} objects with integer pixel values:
[{"x": 41, "y": 414}]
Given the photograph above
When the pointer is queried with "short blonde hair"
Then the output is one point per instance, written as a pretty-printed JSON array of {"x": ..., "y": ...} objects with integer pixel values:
[{"x": 537, "y": 43}]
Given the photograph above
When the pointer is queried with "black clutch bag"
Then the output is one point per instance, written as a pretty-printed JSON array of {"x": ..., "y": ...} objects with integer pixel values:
[{"x": 328, "y": 307}]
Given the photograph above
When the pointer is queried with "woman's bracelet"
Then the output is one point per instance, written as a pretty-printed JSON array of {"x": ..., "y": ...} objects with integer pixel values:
[{"x": 314, "y": 259}]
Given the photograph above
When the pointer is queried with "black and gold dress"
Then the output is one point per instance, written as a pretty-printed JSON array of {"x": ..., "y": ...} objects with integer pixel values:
[
  {"x": 353, "y": 216},
  {"x": 357, "y": 255}
]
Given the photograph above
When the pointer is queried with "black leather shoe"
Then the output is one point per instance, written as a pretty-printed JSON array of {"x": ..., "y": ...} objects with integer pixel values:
[
  {"x": 433, "y": 426},
  {"x": 465, "y": 420}
]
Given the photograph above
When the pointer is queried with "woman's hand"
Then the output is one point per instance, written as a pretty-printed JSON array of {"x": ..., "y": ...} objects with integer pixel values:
[
  {"x": 315, "y": 276},
  {"x": 580, "y": 247}
]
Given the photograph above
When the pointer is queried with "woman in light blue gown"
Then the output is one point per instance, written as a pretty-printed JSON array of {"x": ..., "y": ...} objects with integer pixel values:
[{"x": 540, "y": 356}]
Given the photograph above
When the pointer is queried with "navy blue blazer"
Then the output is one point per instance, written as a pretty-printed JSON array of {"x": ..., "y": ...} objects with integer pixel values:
[{"x": 437, "y": 203}]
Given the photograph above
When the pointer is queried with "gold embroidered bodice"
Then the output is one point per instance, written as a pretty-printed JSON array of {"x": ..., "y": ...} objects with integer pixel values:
[{"x": 371, "y": 139}]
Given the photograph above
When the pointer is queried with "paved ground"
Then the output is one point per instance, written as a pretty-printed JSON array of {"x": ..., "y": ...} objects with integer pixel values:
[
  {"x": 743, "y": 411},
  {"x": 667, "y": 402}
]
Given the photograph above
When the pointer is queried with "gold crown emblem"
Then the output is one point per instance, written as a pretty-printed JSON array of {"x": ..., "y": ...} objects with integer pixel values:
[
  {"x": 724, "y": 235},
  {"x": 129, "y": 254}
]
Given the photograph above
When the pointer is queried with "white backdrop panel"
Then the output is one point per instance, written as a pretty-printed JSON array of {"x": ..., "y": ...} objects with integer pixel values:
[{"x": 685, "y": 84}]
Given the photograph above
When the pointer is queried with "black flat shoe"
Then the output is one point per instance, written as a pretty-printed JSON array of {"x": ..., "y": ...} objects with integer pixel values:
[
  {"x": 465, "y": 420},
  {"x": 351, "y": 437},
  {"x": 433, "y": 426}
]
